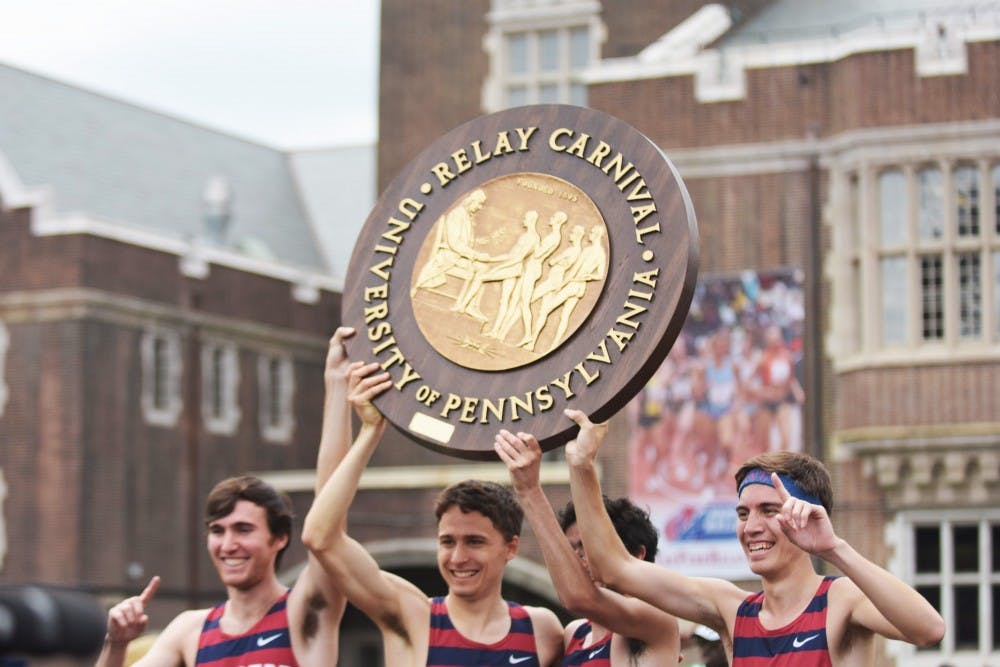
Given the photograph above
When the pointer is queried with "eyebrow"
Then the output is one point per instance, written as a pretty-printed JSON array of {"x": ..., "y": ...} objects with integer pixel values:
[{"x": 743, "y": 506}]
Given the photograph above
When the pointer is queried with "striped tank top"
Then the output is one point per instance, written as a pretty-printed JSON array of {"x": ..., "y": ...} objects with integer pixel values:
[
  {"x": 597, "y": 654},
  {"x": 448, "y": 648},
  {"x": 266, "y": 643},
  {"x": 801, "y": 643}
]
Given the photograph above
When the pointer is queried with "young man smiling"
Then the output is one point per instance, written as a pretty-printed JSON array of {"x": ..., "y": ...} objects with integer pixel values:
[
  {"x": 249, "y": 527},
  {"x": 800, "y": 617},
  {"x": 478, "y": 528},
  {"x": 618, "y": 631}
]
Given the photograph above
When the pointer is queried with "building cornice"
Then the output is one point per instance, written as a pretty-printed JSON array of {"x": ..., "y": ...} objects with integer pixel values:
[
  {"x": 85, "y": 303},
  {"x": 939, "y": 40},
  {"x": 933, "y": 465}
]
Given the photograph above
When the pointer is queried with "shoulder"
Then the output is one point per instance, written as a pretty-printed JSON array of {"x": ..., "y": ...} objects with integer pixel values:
[
  {"x": 178, "y": 643},
  {"x": 544, "y": 620},
  {"x": 189, "y": 621}
]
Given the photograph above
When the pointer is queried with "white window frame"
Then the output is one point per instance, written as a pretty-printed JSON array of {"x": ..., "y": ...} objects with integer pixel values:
[
  {"x": 899, "y": 534},
  {"x": 228, "y": 420},
  {"x": 532, "y": 18},
  {"x": 167, "y": 412},
  {"x": 277, "y": 430},
  {"x": 856, "y": 338}
]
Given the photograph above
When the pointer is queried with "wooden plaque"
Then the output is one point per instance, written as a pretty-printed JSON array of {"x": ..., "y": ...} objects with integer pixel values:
[{"x": 531, "y": 260}]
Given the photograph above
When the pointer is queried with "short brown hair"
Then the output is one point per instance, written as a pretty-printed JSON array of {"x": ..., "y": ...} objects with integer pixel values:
[
  {"x": 497, "y": 503},
  {"x": 631, "y": 522},
  {"x": 808, "y": 472},
  {"x": 223, "y": 497}
]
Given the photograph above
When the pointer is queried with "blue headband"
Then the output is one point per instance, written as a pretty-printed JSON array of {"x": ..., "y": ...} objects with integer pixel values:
[{"x": 761, "y": 476}]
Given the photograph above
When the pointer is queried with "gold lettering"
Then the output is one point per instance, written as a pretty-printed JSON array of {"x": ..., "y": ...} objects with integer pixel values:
[
  {"x": 544, "y": 398},
  {"x": 461, "y": 159},
  {"x": 639, "y": 213},
  {"x": 525, "y": 135},
  {"x": 631, "y": 310},
  {"x": 624, "y": 184},
  {"x": 640, "y": 191},
  {"x": 579, "y": 146},
  {"x": 599, "y": 153},
  {"x": 377, "y": 312},
  {"x": 395, "y": 357},
  {"x": 604, "y": 358},
  {"x": 564, "y": 384},
  {"x": 620, "y": 338},
  {"x": 527, "y": 405},
  {"x": 387, "y": 249},
  {"x": 391, "y": 340},
  {"x": 503, "y": 144},
  {"x": 478, "y": 151},
  {"x": 380, "y": 268},
  {"x": 645, "y": 296},
  {"x": 409, "y": 375},
  {"x": 453, "y": 402},
  {"x": 380, "y": 292},
  {"x": 620, "y": 170},
  {"x": 491, "y": 408},
  {"x": 646, "y": 278},
  {"x": 394, "y": 234},
  {"x": 468, "y": 410},
  {"x": 639, "y": 233},
  {"x": 556, "y": 134},
  {"x": 443, "y": 173},
  {"x": 379, "y": 330},
  {"x": 410, "y": 208},
  {"x": 587, "y": 377}
]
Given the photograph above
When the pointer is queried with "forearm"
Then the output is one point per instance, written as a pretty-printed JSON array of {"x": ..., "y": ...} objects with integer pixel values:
[
  {"x": 328, "y": 516},
  {"x": 335, "y": 438},
  {"x": 573, "y": 584},
  {"x": 902, "y": 606},
  {"x": 605, "y": 552},
  {"x": 112, "y": 653}
]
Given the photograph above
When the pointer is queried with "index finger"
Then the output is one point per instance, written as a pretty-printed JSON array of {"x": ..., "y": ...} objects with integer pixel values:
[
  {"x": 150, "y": 590},
  {"x": 342, "y": 333},
  {"x": 780, "y": 487}
]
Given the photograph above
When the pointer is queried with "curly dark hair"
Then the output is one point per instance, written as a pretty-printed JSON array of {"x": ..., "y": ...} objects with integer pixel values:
[
  {"x": 631, "y": 523},
  {"x": 495, "y": 502}
]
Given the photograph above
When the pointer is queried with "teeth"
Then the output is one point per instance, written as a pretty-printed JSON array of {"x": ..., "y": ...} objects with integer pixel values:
[{"x": 463, "y": 575}]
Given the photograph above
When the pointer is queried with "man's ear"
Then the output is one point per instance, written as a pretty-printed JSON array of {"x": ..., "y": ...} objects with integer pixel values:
[
  {"x": 641, "y": 555},
  {"x": 512, "y": 546}
]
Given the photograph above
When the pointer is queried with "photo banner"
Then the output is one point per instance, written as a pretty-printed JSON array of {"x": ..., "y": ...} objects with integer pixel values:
[{"x": 730, "y": 389}]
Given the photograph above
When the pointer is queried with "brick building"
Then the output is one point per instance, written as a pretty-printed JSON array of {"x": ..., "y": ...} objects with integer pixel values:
[
  {"x": 165, "y": 305},
  {"x": 855, "y": 143}
]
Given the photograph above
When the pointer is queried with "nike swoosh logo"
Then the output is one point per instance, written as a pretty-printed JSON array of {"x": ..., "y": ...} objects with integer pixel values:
[
  {"x": 596, "y": 651},
  {"x": 515, "y": 661},
  {"x": 264, "y": 641},
  {"x": 799, "y": 644}
]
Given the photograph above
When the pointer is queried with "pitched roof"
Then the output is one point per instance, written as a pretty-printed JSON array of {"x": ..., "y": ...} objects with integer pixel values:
[{"x": 117, "y": 162}]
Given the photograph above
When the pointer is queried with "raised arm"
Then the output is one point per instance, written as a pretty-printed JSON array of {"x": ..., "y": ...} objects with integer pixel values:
[
  {"x": 576, "y": 589},
  {"x": 350, "y": 567},
  {"x": 707, "y": 601},
  {"x": 127, "y": 620},
  {"x": 887, "y": 605},
  {"x": 335, "y": 438}
]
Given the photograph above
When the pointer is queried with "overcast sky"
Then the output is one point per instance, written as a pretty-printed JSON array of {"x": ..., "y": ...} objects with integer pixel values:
[{"x": 286, "y": 73}]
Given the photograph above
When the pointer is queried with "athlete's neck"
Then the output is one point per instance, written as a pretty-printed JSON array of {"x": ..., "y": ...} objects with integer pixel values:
[{"x": 245, "y": 607}]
